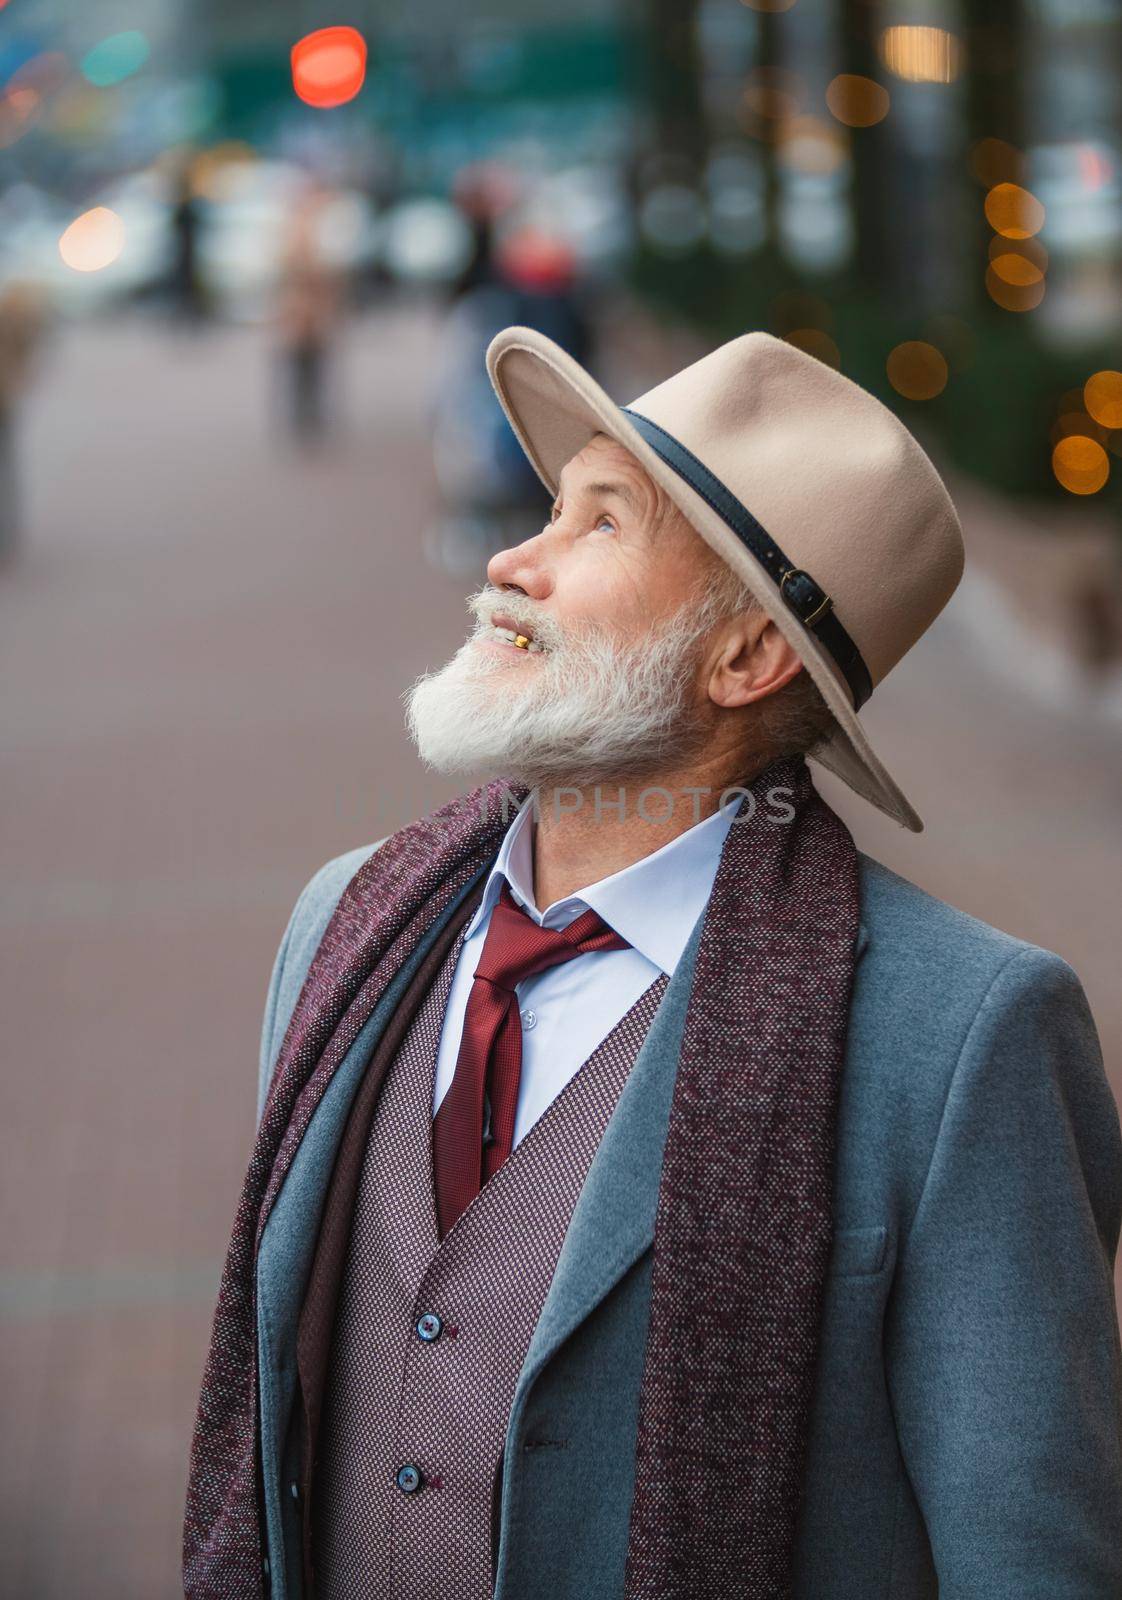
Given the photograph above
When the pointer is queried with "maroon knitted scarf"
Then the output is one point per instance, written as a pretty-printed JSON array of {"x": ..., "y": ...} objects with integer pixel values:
[{"x": 745, "y": 1207}]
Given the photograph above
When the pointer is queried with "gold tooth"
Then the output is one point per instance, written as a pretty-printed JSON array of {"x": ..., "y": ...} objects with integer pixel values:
[{"x": 521, "y": 641}]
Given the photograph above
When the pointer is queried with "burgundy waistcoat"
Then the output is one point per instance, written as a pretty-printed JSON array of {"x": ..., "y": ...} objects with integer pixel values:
[{"x": 410, "y": 1347}]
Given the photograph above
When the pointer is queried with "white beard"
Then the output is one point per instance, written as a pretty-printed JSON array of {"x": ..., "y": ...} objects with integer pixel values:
[{"x": 586, "y": 710}]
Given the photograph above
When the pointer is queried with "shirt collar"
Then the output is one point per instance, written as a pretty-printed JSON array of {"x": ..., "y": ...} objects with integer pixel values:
[{"x": 654, "y": 903}]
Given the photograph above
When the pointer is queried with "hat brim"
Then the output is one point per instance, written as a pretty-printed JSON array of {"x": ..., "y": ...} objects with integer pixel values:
[{"x": 555, "y": 407}]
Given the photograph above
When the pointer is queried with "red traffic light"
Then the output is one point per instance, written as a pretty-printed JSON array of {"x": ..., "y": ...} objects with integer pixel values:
[{"x": 328, "y": 66}]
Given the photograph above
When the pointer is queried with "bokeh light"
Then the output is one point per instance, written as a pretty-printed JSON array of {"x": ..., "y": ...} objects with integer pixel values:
[
  {"x": 1013, "y": 211},
  {"x": 797, "y": 310},
  {"x": 921, "y": 54},
  {"x": 115, "y": 58},
  {"x": 994, "y": 161},
  {"x": 18, "y": 107},
  {"x": 672, "y": 218},
  {"x": 1102, "y": 395},
  {"x": 44, "y": 72},
  {"x": 858, "y": 102},
  {"x": 1080, "y": 464},
  {"x": 1014, "y": 268},
  {"x": 329, "y": 66},
  {"x": 1013, "y": 296},
  {"x": 771, "y": 95},
  {"x": 917, "y": 370},
  {"x": 1076, "y": 421},
  {"x": 815, "y": 343},
  {"x": 810, "y": 145},
  {"x": 93, "y": 241},
  {"x": 1019, "y": 261}
]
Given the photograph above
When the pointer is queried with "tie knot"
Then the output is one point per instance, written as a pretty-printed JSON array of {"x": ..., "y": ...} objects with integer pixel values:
[{"x": 516, "y": 946}]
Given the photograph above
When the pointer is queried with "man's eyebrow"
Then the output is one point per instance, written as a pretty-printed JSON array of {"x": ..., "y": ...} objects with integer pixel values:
[{"x": 615, "y": 486}]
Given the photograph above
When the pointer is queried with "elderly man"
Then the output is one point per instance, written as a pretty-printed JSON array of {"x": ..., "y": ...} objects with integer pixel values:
[{"x": 653, "y": 1195}]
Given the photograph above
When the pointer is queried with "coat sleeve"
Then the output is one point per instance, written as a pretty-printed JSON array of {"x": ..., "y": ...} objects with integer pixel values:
[
  {"x": 1001, "y": 1336},
  {"x": 270, "y": 1038},
  {"x": 311, "y": 914}
]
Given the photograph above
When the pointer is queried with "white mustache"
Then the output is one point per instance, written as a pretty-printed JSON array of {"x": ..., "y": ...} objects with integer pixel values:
[{"x": 543, "y": 629}]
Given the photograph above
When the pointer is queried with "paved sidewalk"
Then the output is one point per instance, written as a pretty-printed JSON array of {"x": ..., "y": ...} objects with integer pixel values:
[{"x": 204, "y": 652}]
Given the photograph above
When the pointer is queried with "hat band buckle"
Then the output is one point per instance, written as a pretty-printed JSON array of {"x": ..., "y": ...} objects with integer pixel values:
[{"x": 809, "y": 591}]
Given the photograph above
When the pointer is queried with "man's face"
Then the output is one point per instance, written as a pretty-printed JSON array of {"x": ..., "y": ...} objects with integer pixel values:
[
  {"x": 611, "y": 601},
  {"x": 600, "y": 563}
]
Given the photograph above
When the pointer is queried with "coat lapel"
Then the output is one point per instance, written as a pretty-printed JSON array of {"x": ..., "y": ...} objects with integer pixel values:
[{"x": 613, "y": 1222}]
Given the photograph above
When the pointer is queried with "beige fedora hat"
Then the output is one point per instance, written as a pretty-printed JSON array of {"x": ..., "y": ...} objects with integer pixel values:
[{"x": 811, "y": 489}]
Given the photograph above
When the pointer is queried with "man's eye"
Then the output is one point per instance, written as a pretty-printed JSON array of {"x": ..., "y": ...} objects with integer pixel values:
[{"x": 599, "y": 523}]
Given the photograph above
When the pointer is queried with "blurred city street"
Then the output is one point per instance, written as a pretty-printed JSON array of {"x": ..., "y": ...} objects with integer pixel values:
[{"x": 204, "y": 646}]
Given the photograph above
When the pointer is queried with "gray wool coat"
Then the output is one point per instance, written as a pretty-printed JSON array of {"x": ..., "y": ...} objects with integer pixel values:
[{"x": 966, "y": 1431}]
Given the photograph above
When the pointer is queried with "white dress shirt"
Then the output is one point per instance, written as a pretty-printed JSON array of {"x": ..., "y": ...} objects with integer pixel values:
[{"x": 568, "y": 1009}]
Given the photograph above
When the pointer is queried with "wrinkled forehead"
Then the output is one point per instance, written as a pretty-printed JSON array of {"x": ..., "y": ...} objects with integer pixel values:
[
  {"x": 605, "y": 465},
  {"x": 604, "y": 451},
  {"x": 604, "y": 457}
]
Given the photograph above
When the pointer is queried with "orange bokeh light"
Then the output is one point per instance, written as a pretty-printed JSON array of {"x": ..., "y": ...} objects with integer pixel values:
[
  {"x": 1102, "y": 395},
  {"x": 1028, "y": 263},
  {"x": 917, "y": 370},
  {"x": 1013, "y": 211},
  {"x": 1080, "y": 464},
  {"x": 1013, "y": 296},
  {"x": 328, "y": 66},
  {"x": 993, "y": 161},
  {"x": 858, "y": 102},
  {"x": 1016, "y": 269},
  {"x": 920, "y": 54}
]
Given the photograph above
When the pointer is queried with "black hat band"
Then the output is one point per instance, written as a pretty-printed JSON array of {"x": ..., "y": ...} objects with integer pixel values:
[{"x": 807, "y": 599}]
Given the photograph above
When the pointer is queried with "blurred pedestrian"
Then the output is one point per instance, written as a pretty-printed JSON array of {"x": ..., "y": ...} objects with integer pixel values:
[
  {"x": 22, "y": 321},
  {"x": 187, "y": 293},
  {"x": 1096, "y": 615},
  {"x": 487, "y": 486},
  {"x": 309, "y": 306},
  {"x": 540, "y": 268},
  {"x": 483, "y": 191}
]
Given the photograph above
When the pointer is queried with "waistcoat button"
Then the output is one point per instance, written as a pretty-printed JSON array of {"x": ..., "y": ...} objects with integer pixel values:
[
  {"x": 429, "y": 1327},
  {"x": 409, "y": 1480},
  {"x": 294, "y": 1489}
]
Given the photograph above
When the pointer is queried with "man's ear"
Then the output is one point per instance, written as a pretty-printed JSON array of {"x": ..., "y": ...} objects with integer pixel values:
[{"x": 754, "y": 660}]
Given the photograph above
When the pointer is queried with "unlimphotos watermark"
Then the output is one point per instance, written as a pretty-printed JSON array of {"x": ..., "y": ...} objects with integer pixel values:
[{"x": 654, "y": 803}]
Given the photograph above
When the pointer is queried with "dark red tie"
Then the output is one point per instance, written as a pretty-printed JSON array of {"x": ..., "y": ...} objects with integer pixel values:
[{"x": 490, "y": 1058}]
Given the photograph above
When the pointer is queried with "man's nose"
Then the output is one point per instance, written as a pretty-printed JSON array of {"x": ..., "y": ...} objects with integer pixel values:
[{"x": 520, "y": 566}]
